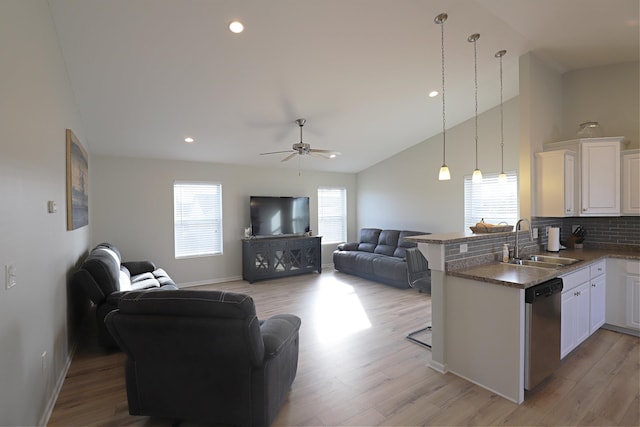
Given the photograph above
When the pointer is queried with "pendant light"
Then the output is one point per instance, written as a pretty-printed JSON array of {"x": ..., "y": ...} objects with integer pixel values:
[
  {"x": 444, "y": 174},
  {"x": 473, "y": 38},
  {"x": 502, "y": 178}
]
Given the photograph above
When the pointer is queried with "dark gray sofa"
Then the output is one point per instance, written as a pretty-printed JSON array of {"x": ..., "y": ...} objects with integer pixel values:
[
  {"x": 104, "y": 278},
  {"x": 378, "y": 255}
]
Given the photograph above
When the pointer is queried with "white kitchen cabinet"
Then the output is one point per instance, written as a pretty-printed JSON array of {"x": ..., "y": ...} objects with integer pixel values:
[
  {"x": 575, "y": 318},
  {"x": 623, "y": 294},
  {"x": 630, "y": 182},
  {"x": 555, "y": 177},
  {"x": 599, "y": 173},
  {"x": 597, "y": 296},
  {"x": 632, "y": 309},
  {"x": 575, "y": 306}
]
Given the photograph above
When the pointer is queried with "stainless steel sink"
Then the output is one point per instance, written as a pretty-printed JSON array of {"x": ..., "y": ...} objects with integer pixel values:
[
  {"x": 544, "y": 261},
  {"x": 554, "y": 259}
]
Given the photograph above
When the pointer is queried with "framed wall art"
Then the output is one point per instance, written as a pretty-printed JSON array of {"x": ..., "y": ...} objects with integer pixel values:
[{"x": 77, "y": 183}]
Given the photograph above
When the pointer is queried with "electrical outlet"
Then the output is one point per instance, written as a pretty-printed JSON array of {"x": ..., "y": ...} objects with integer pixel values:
[
  {"x": 464, "y": 248},
  {"x": 535, "y": 233},
  {"x": 10, "y": 276},
  {"x": 546, "y": 231}
]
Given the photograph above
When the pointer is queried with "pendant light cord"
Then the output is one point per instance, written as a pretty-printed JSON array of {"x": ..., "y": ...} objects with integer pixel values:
[
  {"x": 475, "y": 81},
  {"x": 499, "y": 54},
  {"x": 501, "y": 122},
  {"x": 444, "y": 128}
]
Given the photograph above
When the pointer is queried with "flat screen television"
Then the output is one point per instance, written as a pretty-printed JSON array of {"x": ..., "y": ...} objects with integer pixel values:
[{"x": 279, "y": 216}]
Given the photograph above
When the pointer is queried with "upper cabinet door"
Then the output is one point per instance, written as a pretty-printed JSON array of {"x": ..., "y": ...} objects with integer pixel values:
[
  {"x": 631, "y": 182},
  {"x": 555, "y": 183},
  {"x": 600, "y": 182}
]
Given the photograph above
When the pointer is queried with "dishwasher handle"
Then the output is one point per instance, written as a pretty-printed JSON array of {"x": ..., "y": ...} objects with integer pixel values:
[{"x": 543, "y": 290}]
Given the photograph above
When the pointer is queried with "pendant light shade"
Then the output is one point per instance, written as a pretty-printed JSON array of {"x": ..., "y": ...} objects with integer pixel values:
[
  {"x": 473, "y": 38},
  {"x": 444, "y": 174},
  {"x": 502, "y": 178}
]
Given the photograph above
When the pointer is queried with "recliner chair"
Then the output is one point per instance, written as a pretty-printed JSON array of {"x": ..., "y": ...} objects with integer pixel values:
[
  {"x": 419, "y": 277},
  {"x": 203, "y": 356}
]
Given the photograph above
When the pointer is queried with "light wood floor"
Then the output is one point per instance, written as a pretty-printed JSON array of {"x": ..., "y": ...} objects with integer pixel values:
[{"x": 357, "y": 368}]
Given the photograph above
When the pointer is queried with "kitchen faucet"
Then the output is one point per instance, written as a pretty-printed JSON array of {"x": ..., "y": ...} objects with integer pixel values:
[{"x": 516, "y": 250}]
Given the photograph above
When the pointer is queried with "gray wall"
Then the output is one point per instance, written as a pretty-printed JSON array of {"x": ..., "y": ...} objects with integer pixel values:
[
  {"x": 132, "y": 207},
  {"x": 36, "y": 105}
]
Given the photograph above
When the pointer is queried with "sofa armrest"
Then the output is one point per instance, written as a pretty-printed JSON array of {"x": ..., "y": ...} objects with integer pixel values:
[
  {"x": 349, "y": 246},
  {"x": 139, "y": 267},
  {"x": 277, "y": 332}
]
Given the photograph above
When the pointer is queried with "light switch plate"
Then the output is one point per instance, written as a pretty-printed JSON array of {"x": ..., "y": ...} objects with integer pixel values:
[{"x": 10, "y": 275}]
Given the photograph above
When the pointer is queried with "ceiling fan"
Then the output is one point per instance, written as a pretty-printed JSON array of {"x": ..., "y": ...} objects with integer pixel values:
[{"x": 302, "y": 148}]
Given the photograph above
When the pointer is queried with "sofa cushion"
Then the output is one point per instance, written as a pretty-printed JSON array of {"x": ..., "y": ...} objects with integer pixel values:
[
  {"x": 390, "y": 268},
  {"x": 368, "y": 239},
  {"x": 387, "y": 242},
  {"x": 403, "y": 245}
]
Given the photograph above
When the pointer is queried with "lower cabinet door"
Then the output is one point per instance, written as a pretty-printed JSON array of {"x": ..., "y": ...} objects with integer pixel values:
[
  {"x": 632, "y": 312},
  {"x": 598, "y": 301},
  {"x": 575, "y": 318}
]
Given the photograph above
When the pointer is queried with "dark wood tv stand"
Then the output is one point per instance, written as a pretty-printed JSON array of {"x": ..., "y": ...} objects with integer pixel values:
[{"x": 271, "y": 257}]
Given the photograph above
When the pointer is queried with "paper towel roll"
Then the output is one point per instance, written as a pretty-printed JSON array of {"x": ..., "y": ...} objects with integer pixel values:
[{"x": 554, "y": 239}]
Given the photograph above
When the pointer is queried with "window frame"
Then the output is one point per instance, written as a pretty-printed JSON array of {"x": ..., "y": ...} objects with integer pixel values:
[
  {"x": 217, "y": 228},
  {"x": 342, "y": 217}
]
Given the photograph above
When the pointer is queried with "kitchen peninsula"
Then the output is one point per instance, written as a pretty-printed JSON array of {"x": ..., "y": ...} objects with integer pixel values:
[{"x": 478, "y": 305}]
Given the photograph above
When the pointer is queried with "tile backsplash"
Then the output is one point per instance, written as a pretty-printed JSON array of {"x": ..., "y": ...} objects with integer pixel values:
[{"x": 602, "y": 232}]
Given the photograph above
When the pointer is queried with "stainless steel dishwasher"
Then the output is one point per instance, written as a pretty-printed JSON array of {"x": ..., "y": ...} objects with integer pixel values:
[{"x": 542, "y": 331}]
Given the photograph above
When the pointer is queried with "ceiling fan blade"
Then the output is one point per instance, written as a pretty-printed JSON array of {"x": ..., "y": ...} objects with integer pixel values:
[
  {"x": 319, "y": 155},
  {"x": 276, "y": 152},
  {"x": 324, "y": 151},
  {"x": 290, "y": 156}
]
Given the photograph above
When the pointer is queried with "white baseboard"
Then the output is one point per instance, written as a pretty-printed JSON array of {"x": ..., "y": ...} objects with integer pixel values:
[
  {"x": 208, "y": 282},
  {"x": 44, "y": 420}
]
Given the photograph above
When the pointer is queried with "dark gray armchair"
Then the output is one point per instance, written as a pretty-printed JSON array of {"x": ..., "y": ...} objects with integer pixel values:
[{"x": 203, "y": 356}]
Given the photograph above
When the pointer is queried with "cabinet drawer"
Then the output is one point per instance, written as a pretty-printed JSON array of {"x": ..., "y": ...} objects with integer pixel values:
[
  {"x": 597, "y": 269},
  {"x": 575, "y": 278}
]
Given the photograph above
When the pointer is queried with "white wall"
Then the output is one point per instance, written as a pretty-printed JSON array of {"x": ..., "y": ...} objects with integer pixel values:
[
  {"x": 403, "y": 192},
  {"x": 541, "y": 111},
  {"x": 608, "y": 95},
  {"x": 36, "y": 105},
  {"x": 132, "y": 207}
]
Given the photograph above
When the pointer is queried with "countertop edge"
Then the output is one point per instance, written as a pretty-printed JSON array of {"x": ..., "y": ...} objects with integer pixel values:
[{"x": 483, "y": 273}]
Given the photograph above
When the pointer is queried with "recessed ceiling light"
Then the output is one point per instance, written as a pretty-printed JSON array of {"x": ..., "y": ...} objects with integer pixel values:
[
  {"x": 332, "y": 156},
  {"x": 433, "y": 94},
  {"x": 236, "y": 27},
  {"x": 189, "y": 140}
]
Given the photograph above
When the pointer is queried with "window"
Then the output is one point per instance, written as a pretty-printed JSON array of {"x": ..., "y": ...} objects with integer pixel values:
[
  {"x": 491, "y": 200},
  {"x": 332, "y": 214},
  {"x": 197, "y": 214}
]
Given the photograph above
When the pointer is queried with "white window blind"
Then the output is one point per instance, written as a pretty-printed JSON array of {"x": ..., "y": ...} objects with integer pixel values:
[
  {"x": 491, "y": 200},
  {"x": 197, "y": 218},
  {"x": 332, "y": 214}
]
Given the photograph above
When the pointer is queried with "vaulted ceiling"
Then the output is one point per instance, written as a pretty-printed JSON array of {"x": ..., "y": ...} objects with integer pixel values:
[{"x": 148, "y": 73}]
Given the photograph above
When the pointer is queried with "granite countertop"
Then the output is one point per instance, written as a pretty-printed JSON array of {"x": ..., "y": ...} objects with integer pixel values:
[{"x": 523, "y": 277}]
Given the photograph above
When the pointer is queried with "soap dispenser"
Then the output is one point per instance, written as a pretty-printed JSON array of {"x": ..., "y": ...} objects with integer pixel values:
[{"x": 505, "y": 253}]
